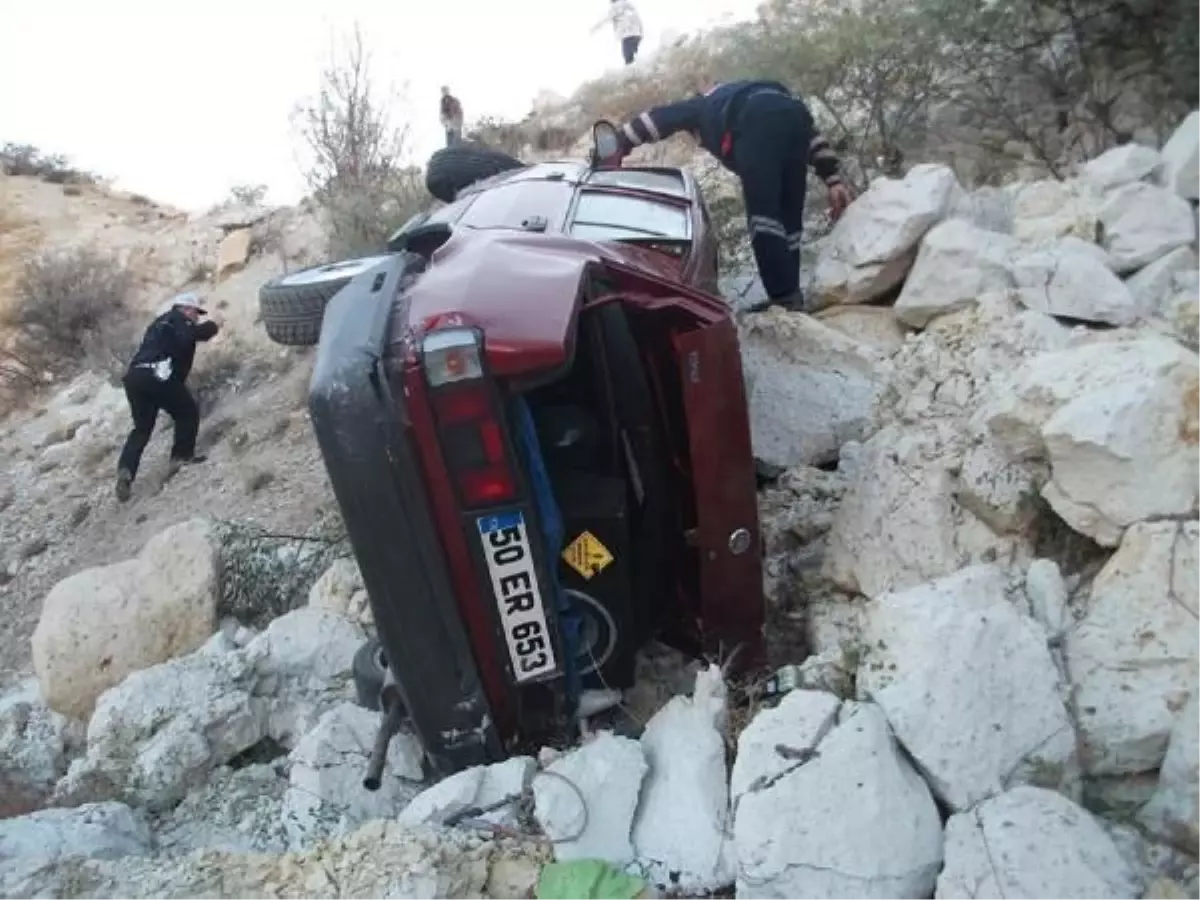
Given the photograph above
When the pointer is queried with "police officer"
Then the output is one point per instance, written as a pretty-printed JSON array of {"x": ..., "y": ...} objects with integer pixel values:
[
  {"x": 155, "y": 380},
  {"x": 759, "y": 131}
]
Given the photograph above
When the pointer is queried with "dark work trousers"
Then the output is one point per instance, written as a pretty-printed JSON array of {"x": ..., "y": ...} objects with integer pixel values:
[
  {"x": 770, "y": 151},
  {"x": 629, "y": 49},
  {"x": 147, "y": 395}
]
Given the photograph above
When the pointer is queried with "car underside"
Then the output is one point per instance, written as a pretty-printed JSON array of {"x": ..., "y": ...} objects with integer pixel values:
[{"x": 533, "y": 418}]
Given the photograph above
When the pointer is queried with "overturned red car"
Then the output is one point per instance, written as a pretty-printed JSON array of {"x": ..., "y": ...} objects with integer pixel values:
[{"x": 532, "y": 413}]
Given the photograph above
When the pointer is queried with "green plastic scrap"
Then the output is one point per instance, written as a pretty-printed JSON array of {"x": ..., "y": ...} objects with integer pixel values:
[{"x": 587, "y": 879}]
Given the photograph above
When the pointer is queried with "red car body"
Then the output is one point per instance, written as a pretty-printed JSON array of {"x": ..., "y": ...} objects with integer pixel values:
[{"x": 522, "y": 264}]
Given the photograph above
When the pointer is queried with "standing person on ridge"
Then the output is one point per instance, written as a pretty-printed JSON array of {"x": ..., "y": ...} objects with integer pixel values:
[
  {"x": 450, "y": 113},
  {"x": 767, "y": 137},
  {"x": 627, "y": 25},
  {"x": 155, "y": 380}
]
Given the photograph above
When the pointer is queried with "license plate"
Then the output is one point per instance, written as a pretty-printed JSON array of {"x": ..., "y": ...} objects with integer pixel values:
[{"x": 514, "y": 585}]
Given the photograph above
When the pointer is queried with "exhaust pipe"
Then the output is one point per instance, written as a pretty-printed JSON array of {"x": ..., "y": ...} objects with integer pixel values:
[{"x": 389, "y": 723}]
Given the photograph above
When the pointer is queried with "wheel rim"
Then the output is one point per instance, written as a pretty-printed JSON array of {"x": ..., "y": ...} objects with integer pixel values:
[
  {"x": 332, "y": 271},
  {"x": 598, "y": 636}
]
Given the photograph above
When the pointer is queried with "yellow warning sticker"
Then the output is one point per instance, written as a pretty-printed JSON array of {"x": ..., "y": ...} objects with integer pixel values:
[{"x": 587, "y": 556}]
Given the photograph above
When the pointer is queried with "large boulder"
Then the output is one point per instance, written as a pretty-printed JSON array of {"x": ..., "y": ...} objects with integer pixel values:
[
  {"x": 874, "y": 325},
  {"x": 33, "y": 846},
  {"x": 871, "y": 247},
  {"x": 1153, "y": 286},
  {"x": 1031, "y": 842},
  {"x": 1142, "y": 222},
  {"x": 802, "y": 719},
  {"x": 1173, "y": 811},
  {"x": 1133, "y": 657},
  {"x": 1049, "y": 209},
  {"x": 1123, "y": 165},
  {"x": 1181, "y": 159},
  {"x": 1104, "y": 414},
  {"x": 340, "y": 590},
  {"x": 102, "y": 624},
  {"x": 326, "y": 794},
  {"x": 810, "y": 387},
  {"x": 34, "y": 742},
  {"x": 478, "y": 787},
  {"x": 1071, "y": 278},
  {"x": 847, "y": 817},
  {"x": 956, "y": 264},
  {"x": 969, "y": 687},
  {"x": 681, "y": 831}
]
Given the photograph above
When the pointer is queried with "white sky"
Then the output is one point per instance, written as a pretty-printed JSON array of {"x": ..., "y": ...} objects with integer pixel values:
[{"x": 182, "y": 100}]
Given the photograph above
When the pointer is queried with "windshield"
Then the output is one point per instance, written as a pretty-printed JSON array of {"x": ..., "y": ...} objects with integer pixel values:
[{"x": 609, "y": 216}]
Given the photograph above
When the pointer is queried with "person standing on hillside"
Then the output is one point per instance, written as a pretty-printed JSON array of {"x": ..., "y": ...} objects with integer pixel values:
[
  {"x": 767, "y": 137},
  {"x": 155, "y": 380},
  {"x": 627, "y": 25},
  {"x": 450, "y": 112}
]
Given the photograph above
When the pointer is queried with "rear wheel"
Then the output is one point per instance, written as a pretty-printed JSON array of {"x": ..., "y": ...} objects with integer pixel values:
[
  {"x": 292, "y": 306},
  {"x": 598, "y": 634},
  {"x": 453, "y": 168}
]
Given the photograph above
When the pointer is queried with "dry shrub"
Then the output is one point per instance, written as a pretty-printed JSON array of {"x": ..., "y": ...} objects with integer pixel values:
[
  {"x": 25, "y": 159},
  {"x": 66, "y": 304},
  {"x": 359, "y": 169}
]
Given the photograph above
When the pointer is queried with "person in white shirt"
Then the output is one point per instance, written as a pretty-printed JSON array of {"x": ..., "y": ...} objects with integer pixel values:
[{"x": 627, "y": 25}]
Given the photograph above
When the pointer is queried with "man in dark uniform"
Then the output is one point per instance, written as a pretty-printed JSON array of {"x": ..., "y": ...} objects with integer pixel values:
[
  {"x": 759, "y": 131},
  {"x": 155, "y": 380}
]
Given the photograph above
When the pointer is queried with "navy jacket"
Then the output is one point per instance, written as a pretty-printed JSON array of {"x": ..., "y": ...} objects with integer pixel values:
[
  {"x": 710, "y": 117},
  {"x": 173, "y": 336}
]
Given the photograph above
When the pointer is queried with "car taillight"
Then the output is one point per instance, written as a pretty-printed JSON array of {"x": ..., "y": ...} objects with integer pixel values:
[{"x": 469, "y": 428}]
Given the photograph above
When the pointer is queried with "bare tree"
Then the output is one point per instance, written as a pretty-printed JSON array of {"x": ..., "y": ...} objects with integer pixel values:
[{"x": 359, "y": 169}]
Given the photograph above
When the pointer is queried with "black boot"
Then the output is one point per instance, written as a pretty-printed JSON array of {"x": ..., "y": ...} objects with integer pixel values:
[
  {"x": 124, "y": 484},
  {"x": 178, "y": 463}
]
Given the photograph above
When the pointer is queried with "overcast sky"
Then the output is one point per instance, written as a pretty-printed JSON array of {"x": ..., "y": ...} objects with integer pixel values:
[{"x": 182, "y": 100}]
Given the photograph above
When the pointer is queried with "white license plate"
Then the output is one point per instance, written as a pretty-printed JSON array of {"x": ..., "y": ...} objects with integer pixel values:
[{"x": 514, "y": 585}]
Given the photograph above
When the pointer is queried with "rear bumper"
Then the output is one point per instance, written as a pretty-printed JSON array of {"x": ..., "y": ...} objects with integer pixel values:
[{"x": 361, "y": 428}]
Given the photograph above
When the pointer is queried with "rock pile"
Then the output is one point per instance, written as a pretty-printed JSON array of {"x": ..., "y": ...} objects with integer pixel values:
[{"x": 985, "y": 534}]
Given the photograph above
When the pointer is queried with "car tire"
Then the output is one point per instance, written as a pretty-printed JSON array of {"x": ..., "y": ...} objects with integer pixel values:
[
  {"x": 369, "y": 668},
  {"x": 292, "y": 306},
  {"x": 599, "y": 635},
  {"x": 453, "y": 168}
]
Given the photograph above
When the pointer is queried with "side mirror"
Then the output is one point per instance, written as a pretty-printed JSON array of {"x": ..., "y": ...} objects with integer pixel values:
[{"x": 606, "y": 144}]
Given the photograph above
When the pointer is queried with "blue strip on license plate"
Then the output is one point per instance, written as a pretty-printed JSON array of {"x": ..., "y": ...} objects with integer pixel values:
[{"x": 505, "y": 543}]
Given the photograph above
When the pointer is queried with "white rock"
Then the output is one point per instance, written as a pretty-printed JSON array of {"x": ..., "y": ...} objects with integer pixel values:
[
  {"x": 101, "y": 624},
  {"x": 32, "y": 846},
  {"x": 305, "y": 659},
  {"x": 957, "y": 263},
  {"x": 989, "y": 208},
  {"x": 853, "y": 821},
  {"x": 874, "y": 325},
  {"x": 1153, "y": 286},
  {"x": 811, "y": 388},
  {"x": 1030, "y": 842},
  {"x": 238, "y": 810},
  {"x": 1071, "y": 278},
  {"x": 1047, "y": 592},
  {"x": 1172, "y": 811},
  {"x": 1181, "y": 159},
  {"x": 997, "y": 491},
  {"x": 682, "y": 832},
  {"x": 800, "y": 721},
  {"x": 1103, "y": 414},
  {"x": 478, "y": 786},
  {"x": 871, "y": 246},
  {"x": 899, "y": 524},
  {"x": 1122, "y": 165},
  {"x": 326, "y": 795},
  {"x": 340, "y": 590},
  {"x": 1049, "y": 209},
  {"x": 33, "y": 749},
  {"x": 942, "y": 662},
  {"x": 1133, "y": 658},
  {"x": 163, "y": 729},
  {"x": 1143, "y": 222},
  {"x": 605, "y": 775}
]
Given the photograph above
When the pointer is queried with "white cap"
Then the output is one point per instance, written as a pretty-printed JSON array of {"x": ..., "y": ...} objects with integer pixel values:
[{"x": 189, "y": 300}]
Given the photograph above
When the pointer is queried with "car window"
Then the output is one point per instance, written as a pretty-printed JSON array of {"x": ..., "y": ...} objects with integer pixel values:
[
  {"x": 664, "y": 182},
  {"x": 450, "y": 212},
  {"x": 600, "y": 215}
]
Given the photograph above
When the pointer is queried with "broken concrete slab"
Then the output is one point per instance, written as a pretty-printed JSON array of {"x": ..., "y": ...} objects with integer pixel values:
[{"x": 854, "y": 820}]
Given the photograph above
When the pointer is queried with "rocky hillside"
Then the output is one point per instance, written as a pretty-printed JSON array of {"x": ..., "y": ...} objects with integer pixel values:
[{"x": 981, "y": 552}]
